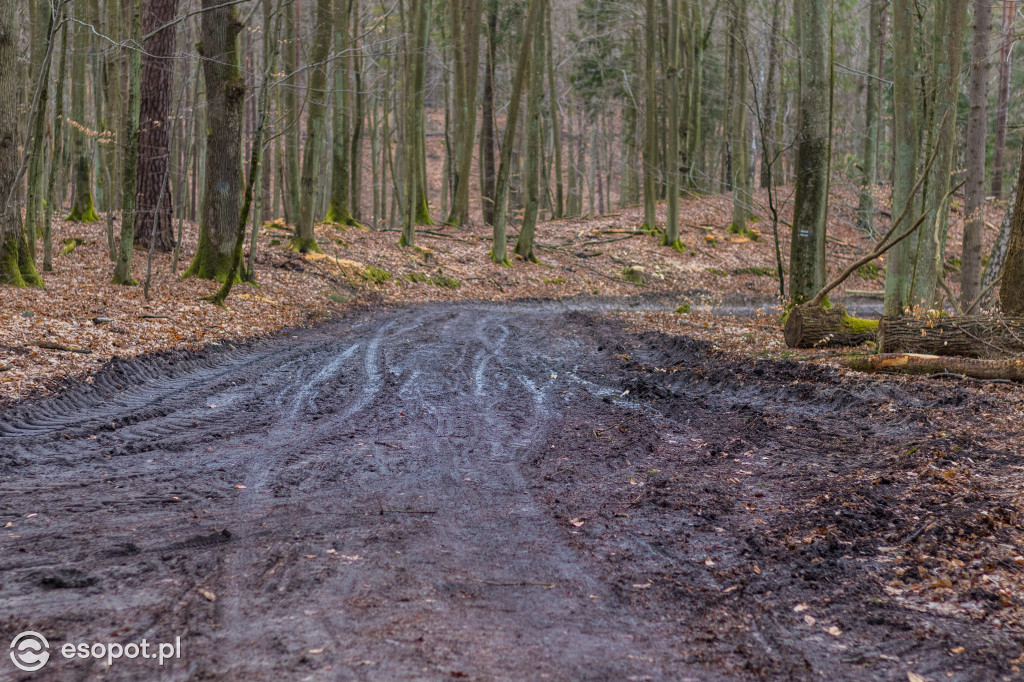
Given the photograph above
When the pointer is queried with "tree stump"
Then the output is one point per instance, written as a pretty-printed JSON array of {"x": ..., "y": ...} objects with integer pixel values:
[{"x": 818, "y": 327}]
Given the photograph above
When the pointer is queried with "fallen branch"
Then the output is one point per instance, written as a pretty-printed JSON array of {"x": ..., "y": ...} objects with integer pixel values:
[
  {"x": 970, "y": 336},
  {"x": 50, "y": 345}
]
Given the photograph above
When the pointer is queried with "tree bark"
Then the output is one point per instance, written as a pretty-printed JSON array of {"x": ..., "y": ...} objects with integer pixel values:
[
  {"x": 807, "y": 246},
  {"x": 225, "y": 97},
  {"x": 650, "y": 120},
  {"x": 338, "y": 210},
  {"x": 414, "y": 151},
  {"x": 741, "y": 190},
  {"x": 487, "y": 134},
  {"x": 1011, "y": 288},
  {"x": 466, "y": 45},
  {"x": 155, "y": 127}
]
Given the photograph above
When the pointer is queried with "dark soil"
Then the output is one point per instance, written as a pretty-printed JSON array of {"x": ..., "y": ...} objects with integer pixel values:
[{"x": 512, "y": 492}]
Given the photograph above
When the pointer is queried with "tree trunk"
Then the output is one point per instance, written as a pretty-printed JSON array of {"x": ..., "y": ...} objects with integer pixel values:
[
  {"x": 338, "y": 210},
  {"x": 999, "y": 147},
  {"x": 531, "y": 171},
  {"x": 818, "y": 327},
  {"x": 417, "y": 211},
  {"x": 155, "y": 127},
  {"x": 770, "y": 115},
  {"x": 130, "y": 140},
  {"x": 15, "y": 266},
  {"x": 42, "y": 26},
  {"x": 866, "y": 204},
  {"x": 977, "y": 140},
  {"x": 741, "y": 190},
  {"x": 650, "y": 121},
  {"x": 558, "y": 209},
  {"x": 355, "y": 152},
  {"x": 909, "y": 363},
  {"x": 487, "y": 135},
  {"x": 931, "y": 242},
  {"x": 671, "y": 236},
  {"x": 466, "y": 46},
  {"x": 291, "y": 122},
  {"x": 498, "y": 249},
  {"x": 807, "y": 246},
  {"x": 1011, "y": 288},
  {"x": 970, "y": 336},
  {"x": 225, "y": 97},
  {"x": 57, "y": 150},
  {"x": 82, "y": 210},
  {"x": 305, "y": 239},
  {"x": 898, "y": 267}
]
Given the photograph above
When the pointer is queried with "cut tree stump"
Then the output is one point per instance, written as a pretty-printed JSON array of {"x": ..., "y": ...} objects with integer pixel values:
[
  {"x": 915, "y": 363},
  {"x": 818, "y": 327},
  {"x": 975, "y": 336}
]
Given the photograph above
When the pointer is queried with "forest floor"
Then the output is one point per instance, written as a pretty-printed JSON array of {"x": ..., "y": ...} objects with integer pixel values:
[
  {"x": 729, "y": 283},
  {"x": 459, "y": 470}
]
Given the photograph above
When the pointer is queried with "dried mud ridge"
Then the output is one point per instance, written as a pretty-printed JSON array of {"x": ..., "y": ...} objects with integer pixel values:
[{"x": 470, "y": 491}]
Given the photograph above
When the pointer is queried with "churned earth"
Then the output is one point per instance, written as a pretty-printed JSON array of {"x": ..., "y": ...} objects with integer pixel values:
[{"x": 507, "y": 491}]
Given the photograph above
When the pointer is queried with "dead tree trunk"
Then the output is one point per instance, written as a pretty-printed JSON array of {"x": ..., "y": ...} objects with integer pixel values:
[
  {"x": 970, "y": 336},
  {"x": 912, "y": 363}
]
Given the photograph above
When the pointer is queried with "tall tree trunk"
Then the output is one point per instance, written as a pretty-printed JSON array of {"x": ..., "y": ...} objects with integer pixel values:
[
  {"x": 650, "y": 121},
  {"x": 487, "y": 135},
  {"x": 57, "y": 149},
  {"x": 42, "y": 27},
  {"x": 524, "y": 245},
  {"x": 977, "y": 140},
  {"x": 498, "y": 248},
  {"x": 155, "y": 127},
  {"x": 338, "y": 210},
  {"x": 356, "y": 150},
  {"x": 898, "y": 270},
  {"x": 999, "y": 147},
  {"x": 866, "y": 203},
  {"x": 82, "y": 210},
  {"x": 1011, "y": 288},
  {"x": 770, "y": 114},
  {"x": 225, "y": 97},
  {"x": 946, "y": 63},
  {"x": 130, "y": 140},
  {"x": 291, "y": 122},
  {"x": 305, "y": 239},
  {"x": 465, "y": 17},
  {"x": 741, "y": 190},
  {"x": 671, "y": 171},
  {"x": 15, "y": 266},
  {"x": 417, "y": 210},
  {"x": 810, "y": 208},
  {"x": 558, "y": 210}
]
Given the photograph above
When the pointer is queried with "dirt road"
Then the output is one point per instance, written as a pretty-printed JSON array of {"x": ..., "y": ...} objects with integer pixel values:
[{"x": 476, "y": 491}]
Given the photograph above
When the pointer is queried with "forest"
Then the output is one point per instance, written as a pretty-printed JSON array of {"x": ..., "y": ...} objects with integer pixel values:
[{"x": 520, "y": 339}]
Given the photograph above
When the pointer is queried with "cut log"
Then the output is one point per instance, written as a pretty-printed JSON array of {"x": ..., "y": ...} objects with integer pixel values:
[
  {"x": 914, "y": 363},
  {"x": 818, "y": 327},
  {"x": 975, "y": 336}
]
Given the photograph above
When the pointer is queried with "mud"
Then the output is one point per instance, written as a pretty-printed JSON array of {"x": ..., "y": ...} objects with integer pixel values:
[{"x": 489, "y": 491}]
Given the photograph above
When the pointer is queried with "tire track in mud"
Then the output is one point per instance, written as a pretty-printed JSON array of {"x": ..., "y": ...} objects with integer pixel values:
[{"x": 400, "y": 496}]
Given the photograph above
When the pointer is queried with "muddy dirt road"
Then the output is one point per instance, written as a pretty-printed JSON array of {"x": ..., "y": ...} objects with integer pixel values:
[{"x": 477, "y": 491}]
